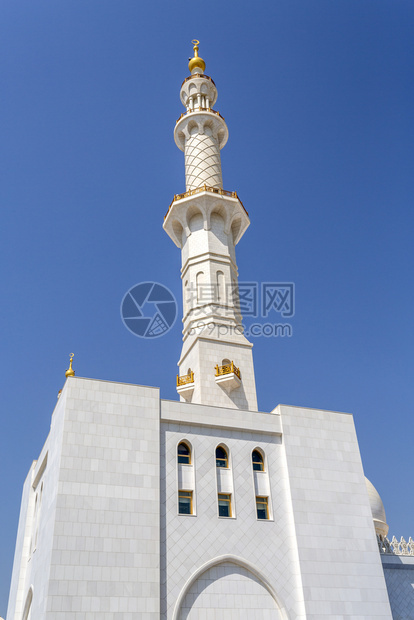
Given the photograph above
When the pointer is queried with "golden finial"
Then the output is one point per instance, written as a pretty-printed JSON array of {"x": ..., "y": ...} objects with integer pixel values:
[
  {"x": 196, "y": 61},
  {"x": 70, "y": 372}
]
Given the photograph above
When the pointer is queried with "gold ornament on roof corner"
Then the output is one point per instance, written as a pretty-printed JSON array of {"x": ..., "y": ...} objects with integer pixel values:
[
  {"x": 196, "y": 61},
  {"x": 70, "y": 372}
]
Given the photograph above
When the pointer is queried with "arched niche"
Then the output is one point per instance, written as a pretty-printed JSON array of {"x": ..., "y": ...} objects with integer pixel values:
[
  {"x": 220, "y": 287},
  {"x": 222, "y": 212},
  {"x": 195, "y": 218},
  {"x": 217, "y": 227},
  {"x": 228, "y": 583}
]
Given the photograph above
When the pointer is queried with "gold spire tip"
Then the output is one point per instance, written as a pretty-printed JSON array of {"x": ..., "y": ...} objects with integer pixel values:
[
  {"x": 196, "y": 62},
  {"x": 70, "y": 372}
]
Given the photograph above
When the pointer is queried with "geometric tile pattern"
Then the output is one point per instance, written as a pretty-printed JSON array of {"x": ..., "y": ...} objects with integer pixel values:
[
  {"x": 188, "y": 542},
  {"x": 400, "y": 586},
  {"x": 230, "y": 589},
  {"x": 202, "y": 162}
]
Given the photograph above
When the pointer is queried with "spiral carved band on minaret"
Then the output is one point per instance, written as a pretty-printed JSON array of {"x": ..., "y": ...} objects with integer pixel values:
[
  {"x": 201, "y": 136},
  {"x": 202, "y": 162}
]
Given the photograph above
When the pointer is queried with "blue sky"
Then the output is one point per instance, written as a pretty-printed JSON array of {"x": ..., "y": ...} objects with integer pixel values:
[{"x": 318, "y": 98}]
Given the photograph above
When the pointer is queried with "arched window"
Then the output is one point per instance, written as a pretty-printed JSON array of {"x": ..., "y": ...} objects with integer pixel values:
[
  {"x": 257, "y": 460},
  {"x": 184, "y": 454},
  {"x": 222, "y": 459}
]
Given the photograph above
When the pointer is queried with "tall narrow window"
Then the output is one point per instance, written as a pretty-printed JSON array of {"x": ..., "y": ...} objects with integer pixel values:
[
  {"x": 38, "y": 516},
  {"x": 220, "y": 286},
  {"x": 184, "y": 454},
  {"x": 262, "y": 507},
  {"x": 185, "y": 297},
  {"x": 224, "y": 504},
  {"x": 32, "y": 540},
  {"x": 199, "y": 286},
  {"x": 185, "y": 502},
  {"x": 221, "y": 457},
  {"x": 257, "y": 460}
]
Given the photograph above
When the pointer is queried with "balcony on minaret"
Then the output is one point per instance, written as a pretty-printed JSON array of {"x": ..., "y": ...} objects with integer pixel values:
[
  {"x": 198, "y": 92},
  {"x": 228, "y": 376},
  {"x": 209, "y": 199},
  {"x": 185, "y": 385},
  {"x": 200, "y": 108}
]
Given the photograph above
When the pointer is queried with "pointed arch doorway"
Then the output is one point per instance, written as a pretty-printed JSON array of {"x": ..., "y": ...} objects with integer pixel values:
[{"x": 228, "y": 584}]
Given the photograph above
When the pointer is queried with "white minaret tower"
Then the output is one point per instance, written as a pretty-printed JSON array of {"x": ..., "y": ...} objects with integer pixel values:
[{"x": 206, "y": 222}]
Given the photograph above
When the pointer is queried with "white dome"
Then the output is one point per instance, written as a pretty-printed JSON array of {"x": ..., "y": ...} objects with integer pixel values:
[{"x": 377, "y": 509}]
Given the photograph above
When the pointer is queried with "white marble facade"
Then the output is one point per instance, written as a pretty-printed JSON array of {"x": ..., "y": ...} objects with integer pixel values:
[
  {"x": 97, "y": 551},
  {"x": 111, "y": 544}
]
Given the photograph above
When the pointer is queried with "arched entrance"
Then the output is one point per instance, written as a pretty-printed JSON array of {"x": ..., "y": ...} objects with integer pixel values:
[{"x": 228, "y": 584}]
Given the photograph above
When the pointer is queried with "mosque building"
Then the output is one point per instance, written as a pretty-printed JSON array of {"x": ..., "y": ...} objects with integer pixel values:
[{"x": 203, "y": 508}]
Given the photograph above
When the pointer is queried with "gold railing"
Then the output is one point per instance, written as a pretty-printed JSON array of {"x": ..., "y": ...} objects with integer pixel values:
[
  {"x": 205, "y": 188},
  {"x": 184, "y": 379},
  {"x": 199, "y": 75},
  {"x": 199, "y": 110},
  {"x": 227, "y": 369}
]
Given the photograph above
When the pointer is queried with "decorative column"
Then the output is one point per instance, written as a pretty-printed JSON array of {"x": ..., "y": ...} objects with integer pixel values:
[{"x": 206, "y": 222}]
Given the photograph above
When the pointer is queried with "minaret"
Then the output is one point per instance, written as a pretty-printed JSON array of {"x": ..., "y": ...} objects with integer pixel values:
[{"x": 206, "y": 222}]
